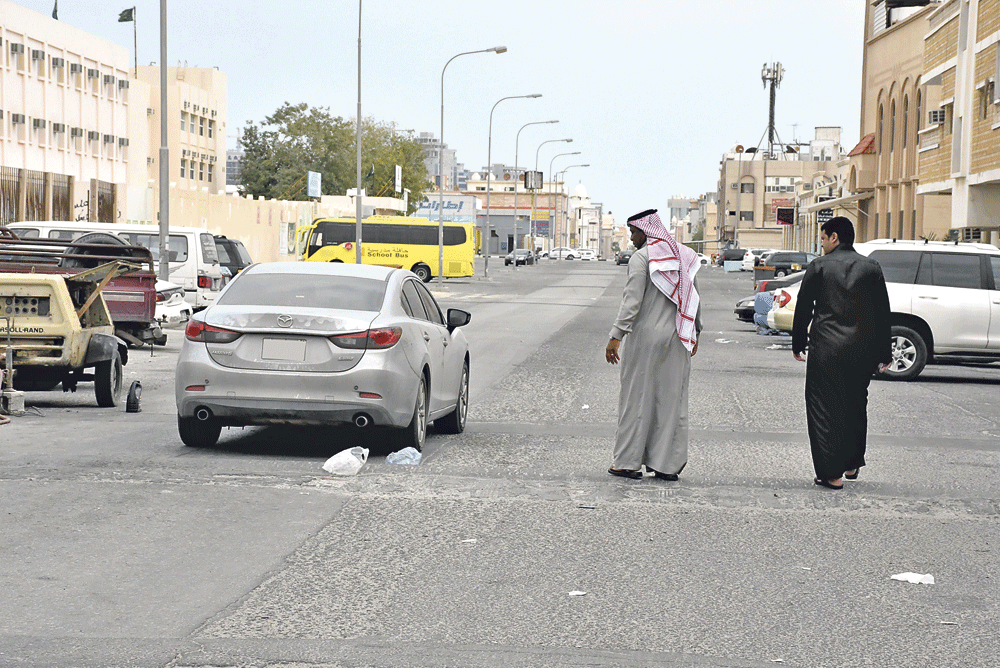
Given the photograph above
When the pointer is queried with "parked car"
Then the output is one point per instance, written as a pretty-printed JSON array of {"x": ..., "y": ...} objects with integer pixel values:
[
  {"x": 171, "y": 309},
  {"x": 564, "y": 254},
  {"x": 323, "y": 343},
  {"x": 586, "y": 253},
  {"x": 730, "y": 255},
  {"x": 944, "y": 299},
  {"x": 783, "y": 313},
  {"x": 751, "y": 256},
  {"x": 624, "y": 256},
  {"x": 232, "y": 253},
  {"x": 519, "y": 256},
  {"x": 704, "y": 259},
  {"x": 745, "y": 307},
  {"x": 788, "y": 262},
  {"x": 769, "y": 284}
]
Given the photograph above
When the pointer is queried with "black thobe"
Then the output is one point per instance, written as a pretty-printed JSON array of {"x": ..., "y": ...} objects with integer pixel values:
[{"x": 843, "y": 295}]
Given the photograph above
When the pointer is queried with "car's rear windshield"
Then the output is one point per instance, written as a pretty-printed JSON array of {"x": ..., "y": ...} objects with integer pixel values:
[{"x": 305, "y": 290}]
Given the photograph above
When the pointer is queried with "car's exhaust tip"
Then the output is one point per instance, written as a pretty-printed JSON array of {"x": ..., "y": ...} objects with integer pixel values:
[
  {"x": 202, "y": 414},
  {"x": 361, "y": 420}
]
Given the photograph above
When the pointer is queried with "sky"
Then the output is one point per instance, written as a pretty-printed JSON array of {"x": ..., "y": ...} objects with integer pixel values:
[{"x": 652, "y": 92}]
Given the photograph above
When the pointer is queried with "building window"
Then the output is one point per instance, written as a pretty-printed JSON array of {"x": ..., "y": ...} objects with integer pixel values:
[
  {"x": 210, "y": 170},
  {"x": 919, "y": 110},
  {"x": 746, "y": 215},
  {"x": 881, "y": 115},
  {"x": 906, "y": 118},
  {"x": 191, "y": 170},
  {"x": 985, "y": 100},
  {"x": 184, "y": 118},
  {"x": 201, "y": 126},
  {"x": 211, "y": 129},
  {"x": 183, "y": 167},
  {"x": 892, "y": 126},
  {"x": 201, "y": 171},
  {"x": 746, "y": 187},
  {"x": 888, "y": 224}
]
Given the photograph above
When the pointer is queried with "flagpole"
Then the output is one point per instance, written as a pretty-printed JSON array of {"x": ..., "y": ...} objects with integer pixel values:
[{"x": 135, "y": 44}]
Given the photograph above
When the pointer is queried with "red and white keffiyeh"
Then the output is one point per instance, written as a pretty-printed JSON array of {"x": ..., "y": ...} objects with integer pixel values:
[{"x": 672, "y": 268}]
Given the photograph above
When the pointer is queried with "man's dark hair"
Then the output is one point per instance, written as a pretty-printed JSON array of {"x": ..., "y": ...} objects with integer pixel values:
[{"x": 844, "y": 229}]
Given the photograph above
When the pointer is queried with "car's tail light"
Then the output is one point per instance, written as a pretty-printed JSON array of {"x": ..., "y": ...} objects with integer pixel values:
[
  {"x": 783, "y": 298},
  {"x": 204, "y": 281},
  {"x": 160, "y": 297},
  {"x": 374, "y": 339},
  {"x": 762, "y": 286},
  {"x": 197, "y": 330}
]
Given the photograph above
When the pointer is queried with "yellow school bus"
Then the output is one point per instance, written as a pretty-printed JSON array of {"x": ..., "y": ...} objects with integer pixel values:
[{"x": 396, "y": 241}]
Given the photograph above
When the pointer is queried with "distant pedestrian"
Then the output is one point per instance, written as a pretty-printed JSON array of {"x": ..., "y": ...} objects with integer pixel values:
[
  {"x": 660, "y": 315},
  {"x": 843, "y": 295}
]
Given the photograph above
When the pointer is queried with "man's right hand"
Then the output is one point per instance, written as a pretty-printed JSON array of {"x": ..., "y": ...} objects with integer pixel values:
[{"x": 611, "y": 352}]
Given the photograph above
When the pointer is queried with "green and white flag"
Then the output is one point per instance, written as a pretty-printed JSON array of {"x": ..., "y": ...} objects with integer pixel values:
[{"x": 127, "y": 15}]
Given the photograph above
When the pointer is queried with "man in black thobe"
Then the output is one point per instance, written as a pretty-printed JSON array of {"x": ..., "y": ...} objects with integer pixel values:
[{"x": 843, "y": 295}]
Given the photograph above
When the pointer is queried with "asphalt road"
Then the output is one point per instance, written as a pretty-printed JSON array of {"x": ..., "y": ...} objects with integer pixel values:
[{"x": 119, "y": 546}]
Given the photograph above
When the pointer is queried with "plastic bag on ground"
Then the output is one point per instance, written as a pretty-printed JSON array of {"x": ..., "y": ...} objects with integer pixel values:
[
  {"x": 346, "y": 462},
  {"x": 404, "y": 456},
  {"x": 914, "y": 578}
]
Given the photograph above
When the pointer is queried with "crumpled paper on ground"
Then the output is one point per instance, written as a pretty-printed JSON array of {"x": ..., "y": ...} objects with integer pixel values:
[{"x": 914, "y": 578}]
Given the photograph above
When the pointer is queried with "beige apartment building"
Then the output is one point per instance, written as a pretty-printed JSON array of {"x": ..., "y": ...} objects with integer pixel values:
[
  {"x": 754, "y": 185},
  {"x": 65, "y": 103},
  {"x": 893, "y": 109},
  {"x": 960, "y": 144}
]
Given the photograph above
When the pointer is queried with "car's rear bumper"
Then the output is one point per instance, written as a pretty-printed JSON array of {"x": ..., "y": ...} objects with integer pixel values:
[{"x": 244, "y": 397}]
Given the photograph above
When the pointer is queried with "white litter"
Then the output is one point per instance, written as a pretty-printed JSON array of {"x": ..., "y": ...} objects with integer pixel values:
[
  {"x": 723, "y": 340},
  {"x": 585, "y": 407},
  {"x": 346, "y": 462},
  {"x": 469, "y": 540},
  {"x": 950, "y": 623},
  {"x": 805, "y": 568},
  {"x": 778, "y": 346},
  {"x": 914, "y": 578},
  {"x": 578, "y": 593},
  {"x": 404, "y": 456}
]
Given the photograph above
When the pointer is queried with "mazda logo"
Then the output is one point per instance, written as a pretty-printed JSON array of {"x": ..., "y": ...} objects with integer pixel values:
[{"x": 284, "y": 321}]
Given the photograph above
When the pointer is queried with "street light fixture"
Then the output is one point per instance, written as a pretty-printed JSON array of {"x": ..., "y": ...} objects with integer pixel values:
[
  {"x": 565, "y": 212},
  {"x": 552, "y": 209},
  {"x": 533, "y": 194},
  {"x": 489, "y": 173},
  {"x": 517, "y": 140},
  {"x": 495, "y": 49}
]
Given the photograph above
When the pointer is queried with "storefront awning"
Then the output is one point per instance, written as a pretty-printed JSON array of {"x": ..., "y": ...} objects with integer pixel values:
[{"x": 834, "y": 203}]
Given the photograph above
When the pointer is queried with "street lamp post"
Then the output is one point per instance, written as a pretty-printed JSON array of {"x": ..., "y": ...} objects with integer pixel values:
[
  {"x": 489, "y": 172},
  {"x": 553, "y": 209},
  {"x": 496, "y": 49},
  {"x": 565, "y": 210},
  {"x": 517, "y": 140},
  {"x": 357, "y": 185},
  {"x": 534, "y": 194}
]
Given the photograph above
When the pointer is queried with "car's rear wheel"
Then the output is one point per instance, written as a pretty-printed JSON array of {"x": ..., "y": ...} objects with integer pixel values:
[
  {"x": 197, "y": 433},
  {"x": 779, "y": 273},
  {"x": 569, "y": 257},
  {"x": 454, "y": 422},
  {"x": 108, "y": 381},
  {"x": 909, "y": 354},
  {"x": 423, "y": 272},
  {"x": 414, "y": 434}
]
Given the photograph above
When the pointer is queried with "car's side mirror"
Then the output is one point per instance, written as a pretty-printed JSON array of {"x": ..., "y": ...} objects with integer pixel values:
[{"x": 458, "y": 318}]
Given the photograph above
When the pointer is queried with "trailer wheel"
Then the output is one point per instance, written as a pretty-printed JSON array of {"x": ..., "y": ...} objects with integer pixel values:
[{"x": 108, "y": 381}]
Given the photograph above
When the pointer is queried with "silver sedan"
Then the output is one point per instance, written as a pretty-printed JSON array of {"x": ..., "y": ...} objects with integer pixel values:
[{"x": 320, "y": 344}]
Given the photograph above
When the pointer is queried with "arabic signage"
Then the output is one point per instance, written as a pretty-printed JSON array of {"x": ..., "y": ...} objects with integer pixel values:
[{"x": 823, "y": 216}]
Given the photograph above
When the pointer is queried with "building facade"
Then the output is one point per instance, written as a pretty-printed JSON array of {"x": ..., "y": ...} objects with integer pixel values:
[
  {"x": 960, "y": 144},
  {"x": 65, "y": 106}
]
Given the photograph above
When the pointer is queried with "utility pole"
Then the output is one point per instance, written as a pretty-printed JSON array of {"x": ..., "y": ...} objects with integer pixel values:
[{"x": 771, "y": 74}]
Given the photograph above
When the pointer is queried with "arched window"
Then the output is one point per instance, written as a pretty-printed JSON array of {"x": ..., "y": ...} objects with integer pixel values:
[
  {"x": 881, "y": 114},
  {"x": 892, "y": 126},
  {"x": 920, "y": 120},
  {"x": 906, "y": 119}
]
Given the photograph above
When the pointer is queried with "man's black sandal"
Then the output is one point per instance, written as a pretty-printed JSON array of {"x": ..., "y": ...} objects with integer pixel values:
[
  {"x": 853, "y": 476},
  {"x": 663, "y": 476},
  {"x": 625, "y": 473},
  {"x": 828, "y": 485}
]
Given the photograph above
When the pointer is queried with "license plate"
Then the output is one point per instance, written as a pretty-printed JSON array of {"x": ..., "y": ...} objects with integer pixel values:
[{"x": 289, "y": 350}]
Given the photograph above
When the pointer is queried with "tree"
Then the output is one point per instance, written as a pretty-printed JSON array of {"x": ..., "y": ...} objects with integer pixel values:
[{"x": 296, "y": 139}]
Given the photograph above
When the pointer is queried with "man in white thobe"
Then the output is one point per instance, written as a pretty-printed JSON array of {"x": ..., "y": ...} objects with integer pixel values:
[{"x": 659, "y": 319}]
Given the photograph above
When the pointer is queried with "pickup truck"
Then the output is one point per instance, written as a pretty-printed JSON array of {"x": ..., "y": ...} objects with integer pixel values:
[{"x": 130, "y": 297}]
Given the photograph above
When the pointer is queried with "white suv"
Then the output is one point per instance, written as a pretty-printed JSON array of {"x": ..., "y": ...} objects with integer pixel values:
[{"x": 945, "y": 302}]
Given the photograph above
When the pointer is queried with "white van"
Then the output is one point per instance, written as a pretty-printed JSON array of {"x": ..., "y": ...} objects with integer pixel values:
[{"x": 194, "y": 263}]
